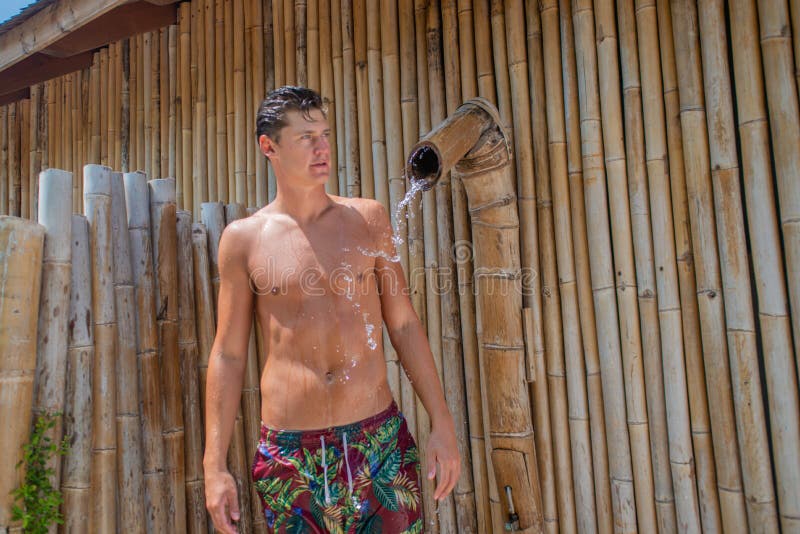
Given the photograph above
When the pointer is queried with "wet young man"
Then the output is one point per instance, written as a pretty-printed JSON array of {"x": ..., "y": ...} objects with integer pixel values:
[{"x": 322, "y": 276}]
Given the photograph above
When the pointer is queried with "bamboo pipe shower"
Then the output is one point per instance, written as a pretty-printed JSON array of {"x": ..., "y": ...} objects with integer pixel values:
[{"x": 473, "y": 143}]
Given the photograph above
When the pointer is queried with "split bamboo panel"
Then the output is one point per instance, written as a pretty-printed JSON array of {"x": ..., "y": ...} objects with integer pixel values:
[
  {"x": 21, "y": 243},
  {"x": 129, "y": 430},
  {"x": 545, "y": 61},
  {"x": 773, "y": 304},
  {"x": 784, "y": 120},
  {"x": 704, "y": 243},
  {"x": 165, "y": 264},
  {"x": 710, "y": 511},
  {"x": 138, "y": 209},
  {"x": 188, "y": 349},
  {"x": 737, "y": 292},
  {"x": 681, "y": 457},
  {"x": 213, "y": 217},
  {"x": 97, "y": 208},
  {"x": 76, "y": 467},
  {"x": 584, "y": 289},
  {"x": 52, "y": 334}
]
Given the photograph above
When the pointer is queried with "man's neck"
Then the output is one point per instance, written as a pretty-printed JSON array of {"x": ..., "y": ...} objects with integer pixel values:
[{"x": 302, "y": 205}]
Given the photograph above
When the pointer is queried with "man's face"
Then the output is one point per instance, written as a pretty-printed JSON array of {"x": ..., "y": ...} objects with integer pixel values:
[{"x": 302, "y": 153}]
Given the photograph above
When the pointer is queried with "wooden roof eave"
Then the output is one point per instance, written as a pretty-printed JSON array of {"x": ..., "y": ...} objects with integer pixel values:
[{"x": 60, "y": 38}]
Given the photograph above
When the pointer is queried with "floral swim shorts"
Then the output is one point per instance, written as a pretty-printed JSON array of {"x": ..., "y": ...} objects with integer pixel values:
[{"x": 358, "y": 478}]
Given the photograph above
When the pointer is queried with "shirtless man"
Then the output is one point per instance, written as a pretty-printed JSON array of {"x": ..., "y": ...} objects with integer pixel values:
[{"x": 322, "y": 275}]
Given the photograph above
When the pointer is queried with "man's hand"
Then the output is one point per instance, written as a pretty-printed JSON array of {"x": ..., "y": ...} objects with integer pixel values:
[
  {"x": 443, "y": 449},
  {"x": 221, "y": 500}
]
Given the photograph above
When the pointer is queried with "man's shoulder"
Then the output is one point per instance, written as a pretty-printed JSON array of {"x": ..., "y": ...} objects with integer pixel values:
[
  {"x": 365, "y": 206},
  {"x": 240, "y": 233}
]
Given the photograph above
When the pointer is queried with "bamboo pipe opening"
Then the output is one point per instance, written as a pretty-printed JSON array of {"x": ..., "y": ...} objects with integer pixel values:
[{"x": 458, "y": 135}]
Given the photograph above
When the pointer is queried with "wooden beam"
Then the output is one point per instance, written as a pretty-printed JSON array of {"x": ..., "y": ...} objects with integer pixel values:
[
  {"x": 124, "y": 21},
  {"x": 13, "y": 97},
  {"x": 38, "y": 68}
]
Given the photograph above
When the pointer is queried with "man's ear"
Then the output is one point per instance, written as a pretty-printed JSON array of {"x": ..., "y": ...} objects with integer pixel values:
[{"x": 266, "y": 145}]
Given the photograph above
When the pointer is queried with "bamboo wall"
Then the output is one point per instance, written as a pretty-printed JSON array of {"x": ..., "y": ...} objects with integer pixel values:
[{"x": 657, "y": 148}]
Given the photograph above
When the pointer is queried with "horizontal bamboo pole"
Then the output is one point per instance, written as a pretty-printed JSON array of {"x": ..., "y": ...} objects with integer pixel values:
[{"x": 21, "y": 243}]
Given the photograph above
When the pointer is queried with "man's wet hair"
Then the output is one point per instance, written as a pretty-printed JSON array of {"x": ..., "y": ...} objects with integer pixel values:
[{"x": 271, "y": 115}]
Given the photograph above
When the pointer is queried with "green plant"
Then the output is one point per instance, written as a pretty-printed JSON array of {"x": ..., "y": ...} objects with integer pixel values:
[{"x": 39, "y": 501}]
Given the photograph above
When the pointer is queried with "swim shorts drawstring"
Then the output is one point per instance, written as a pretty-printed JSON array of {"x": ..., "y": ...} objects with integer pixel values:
[
  {"x": 347, "y": 463},
  {"x": 325, "y": 471}
]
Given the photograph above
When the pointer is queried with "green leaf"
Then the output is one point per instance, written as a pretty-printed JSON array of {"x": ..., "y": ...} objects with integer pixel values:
[
  {"x": 385, "y": 495},
  {"x": 296, "y": 525},
  {"x": 415, "y": 528},
  {"x": 374, "y": 525},
  {"x": 389, "y": 468}
]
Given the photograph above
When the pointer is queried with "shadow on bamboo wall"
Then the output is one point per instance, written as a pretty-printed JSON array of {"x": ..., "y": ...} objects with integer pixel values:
[{"x": 658, "y": 200}]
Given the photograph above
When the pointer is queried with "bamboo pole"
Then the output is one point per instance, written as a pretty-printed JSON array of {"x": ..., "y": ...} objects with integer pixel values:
[
  {"x": 15, "y": 183},
  {"x": 165, "y": 263},
  {"x": 239, "y": 133},
  {"x": 76, "y": 467},
  {"x": 146, "y": 104},
  {"x": 204, "y": 304},
  {"x": 601, "y": 268},
  {"x": 202, "y": 183},
  {"x": 277, "y": 44},
  {"x": 142, "y": 99},
  {"x": 710, "y": 510},
  {"x": 784, "y": 114},
  {"x": 268, "y": 44},
  {"x": 483, "y": 51},
  {"x": 251, "y": 394},
  {"x": 289, "y": 43},
  {"x": 185, "y": 58},
  {"x": 101, "y": 103},
  {"x": 166, "y": 83},
  {"x": 125, "y": 106},
  {"x": 221, "y": 144},
  {"x": 174, "y": 111},
  {"x": 704, "y": 242},
  {"x": 117, "y": 110},
  {"x": 128, "y": 424},
  {"x": 133, "y": 57},
  {"x": 259, "y": 93},
  {"x": 52, "y": 335},
  {"x": 312, "y": 42},
  {"x": 337, "y": 58},
  {"x": 35, "y": 126},
  {"x": 645, "y": 269},
  {"x": 229, "y": 96},
  {"x": 188, "y": 348},
  {"x": 112, "y": 93},
  {"x": 4, "y": 175},
  {"x": 299, "y": 44},
  {"x": 138, "y": 210},
  {"x": 24, "y": 112},
  {"x": 213, "y": 217},
  {"x": 773, "y": 305},
  {"x": 410, "y": 132},
  {"x": 491, "y": 196},
  {"x": 250, "y": 105},
  {"x": 70, "y": 127},
  {"x": 328, "y": 92},
  {"x": 582, "y": 272},
  {"x": 374, "y": 104},
  {"x": 369, "y": 188},
  {"x": 97, "y": 208},
  {"x": 155, "y": 104},
  {"x": 350, "y": 104},
  {"x": 545, "y": 60},
  {"x": 680, "y": 453},
  {"x": 22, "y": 244},
  {"x": 211, "y": 101}
]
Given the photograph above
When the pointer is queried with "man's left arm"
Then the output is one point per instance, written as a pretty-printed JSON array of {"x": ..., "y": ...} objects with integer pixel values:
[{"x": 409, "y": 340}]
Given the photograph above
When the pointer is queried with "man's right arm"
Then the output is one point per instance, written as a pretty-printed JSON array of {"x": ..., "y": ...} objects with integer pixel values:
[{"x": 226, "y": 365}]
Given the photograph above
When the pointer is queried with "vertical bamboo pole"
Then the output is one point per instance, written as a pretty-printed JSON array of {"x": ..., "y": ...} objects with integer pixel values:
[
  {"x": 584, "y": 289},
  {"x": 118, "y": 136},
  {"x": 143, "y": 103},
  {"x": 125, "y": 106},
  {"x": 409, "y": 114},
  {"x": 545, "y": 60},
  {"x": 102, "y": 103},
  {"x": 70, "y": 127},
  {"x": 773, "y": 305},
  {"x": 350, "y": 104},
  {"x": 313, "y": 50},
  {"x": 289, "y": 43},
  {"x": 784, "y": 120},
  {"x": 483, "y": 51},
  {"x": 704, "y": 242},
  {"x": 250, "y": 106},
  {"x": 204, "y": 305},
  {"x": 76, "y": 467},
  {"x": 185, "y": 58},
  {"x": 149, "y": 99},
  {"x": 4, "y": 176},
  {"x": 188, "y": 349},
  {"x": 645, "y": 269},
  {"x": 112, "y": 93},
  {"x": 268, "y": 44},
  {"x": 138, "y": 209},
  {"x": 24, "y": 112},
  {"x": 277, "y": 44},
  {"x": 211, "y": 101},
  {"x": 133, "y": 58},
  {"x": 259, "y": 93},
  {"x": 710, "y": 511},
  {"x": 221, "y": 144},
  {"x": 229, "y": 96},
  {"x": 374, "y": 101},
  {"x": 155, "y": 104},
  {"x": 601, "y": 268},
  {"x": 681, "y": 456},
  {"x": 328, "y": 92},
  {"x": 174, "y": 112},
  {"x": 165, "y": 263},
  {"x": 129, "y": 431},
  {"x": 15, "y": 184},
  {"x": 240, "y": 108},
  {"x": 740, "y": 323},
  {"x": 97, "y": 208},
  {"x": 166, "y": 79},
  {"x": 52, "y": 335},
  {"x": 22, "y": 244},
  {"x": 337, "y": 58},
  {"x": 213, "y": 216},
  {"x": 201, "y": 182},
  {"x": 34, "y": 154},
  {"x": 300, "y": 48},
  {"x": 363, "y": 105}
]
